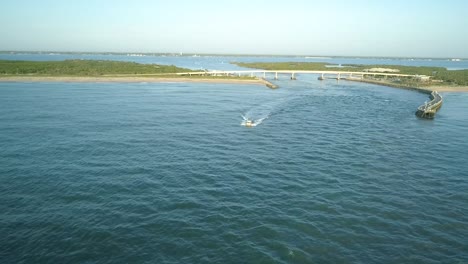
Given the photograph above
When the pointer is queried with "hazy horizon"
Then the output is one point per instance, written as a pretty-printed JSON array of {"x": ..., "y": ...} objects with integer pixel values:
[
  {"x": 416, "y": 29},
  {"x": 219, "y": 54}
]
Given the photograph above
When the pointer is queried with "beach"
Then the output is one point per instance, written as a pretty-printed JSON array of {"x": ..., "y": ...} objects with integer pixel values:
[
  {"x": 128, "y": 79},
  {"x": 428, "y": 89},
  {"x": 446, "y": 88}
]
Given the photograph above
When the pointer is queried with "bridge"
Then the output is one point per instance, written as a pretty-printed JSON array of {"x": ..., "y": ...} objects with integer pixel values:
[
  {"x": 427, "y": 110},
  {"x": 332, "y": 74}
]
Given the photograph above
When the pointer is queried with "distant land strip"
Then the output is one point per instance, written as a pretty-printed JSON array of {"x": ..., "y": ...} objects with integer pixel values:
[
  {"x": 131, "y": 79},
  {"x": 83, "y": 68},
  {"x": 438, "y": 78},
  {"x": 105, "y": 71},
  {"x": 431, "y": 78}
]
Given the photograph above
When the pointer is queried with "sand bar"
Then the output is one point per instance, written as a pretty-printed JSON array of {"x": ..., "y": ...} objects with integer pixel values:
[
  {"x": 441, "y": 88},
  {"x": 128, "y": 79},
  {"x": 426, "y": 89}
]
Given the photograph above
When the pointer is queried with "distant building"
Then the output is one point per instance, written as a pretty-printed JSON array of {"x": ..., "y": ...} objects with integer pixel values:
[
  {"x": 423, "y": 78},
  {"x": 382, "y": 70}
]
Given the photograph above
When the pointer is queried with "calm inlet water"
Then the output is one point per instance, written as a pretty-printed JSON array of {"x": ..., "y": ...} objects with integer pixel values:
[{"x": 338, "y": 172}]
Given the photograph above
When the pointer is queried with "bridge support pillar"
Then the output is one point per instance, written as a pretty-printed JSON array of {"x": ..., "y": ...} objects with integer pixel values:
[
  {"x": 264, "y": 75},
  {"x": 292, "y": 76},
  {"x": 339, "y": 76},
  {"x": 251, "y": 74},
  {"x": 276, "y": 75}
]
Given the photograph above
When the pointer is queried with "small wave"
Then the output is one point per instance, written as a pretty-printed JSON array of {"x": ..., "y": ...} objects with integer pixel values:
[{"x": 264, "y": 110}]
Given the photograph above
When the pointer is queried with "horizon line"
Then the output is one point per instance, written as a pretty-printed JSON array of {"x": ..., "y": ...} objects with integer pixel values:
[{"x": 225, "y": 54}]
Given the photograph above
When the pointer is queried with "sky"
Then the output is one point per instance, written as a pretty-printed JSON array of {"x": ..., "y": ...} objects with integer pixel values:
[{"x": 397, "y": 28}]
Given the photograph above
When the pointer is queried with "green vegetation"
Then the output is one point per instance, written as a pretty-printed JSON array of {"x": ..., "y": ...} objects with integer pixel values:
[
  {"x": 83, "y": 68},
  {"x": 304, "y": 66},
  {"x": 455, "y": 77}
]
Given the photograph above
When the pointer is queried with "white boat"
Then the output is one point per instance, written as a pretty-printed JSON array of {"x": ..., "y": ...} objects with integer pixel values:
[{"x": 247, "y": 122}]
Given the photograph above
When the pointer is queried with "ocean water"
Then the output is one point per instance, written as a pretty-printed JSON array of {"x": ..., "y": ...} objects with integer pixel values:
[{"x": 338, "y": 172}]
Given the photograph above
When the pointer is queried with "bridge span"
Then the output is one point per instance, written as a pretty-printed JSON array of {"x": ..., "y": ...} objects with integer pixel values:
[{"x": 292, "y": 73}]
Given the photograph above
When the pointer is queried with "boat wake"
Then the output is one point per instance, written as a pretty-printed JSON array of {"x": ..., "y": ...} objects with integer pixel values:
[
  {"x": 249, "y": 122},
  {"x": 259, "y": 113},
  {"x": 262, "y": 111}
]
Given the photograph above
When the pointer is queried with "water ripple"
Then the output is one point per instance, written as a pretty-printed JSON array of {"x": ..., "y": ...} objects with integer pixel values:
[{"x": 164, "y": 173}]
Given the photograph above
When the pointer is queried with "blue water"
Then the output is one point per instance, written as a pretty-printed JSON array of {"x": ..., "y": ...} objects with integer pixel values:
[
  {"x": 339, "y": 172},
  {"x": 223, "y": 62}
]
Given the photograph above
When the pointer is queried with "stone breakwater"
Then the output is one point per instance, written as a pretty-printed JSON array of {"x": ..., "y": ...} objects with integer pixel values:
[{"x": 429, "y": 109}]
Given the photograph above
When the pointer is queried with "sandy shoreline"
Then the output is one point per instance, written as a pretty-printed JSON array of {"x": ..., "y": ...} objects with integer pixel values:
[
  {"x": 127, "y": 79},
  {"x": 442, "y": 88},
  {"x": 425, "y": 89}
]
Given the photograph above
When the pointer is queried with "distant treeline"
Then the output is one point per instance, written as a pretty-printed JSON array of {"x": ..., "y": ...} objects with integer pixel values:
[
  {"x": 455, "y": 77},
  {"x": 83, "y": 68}
]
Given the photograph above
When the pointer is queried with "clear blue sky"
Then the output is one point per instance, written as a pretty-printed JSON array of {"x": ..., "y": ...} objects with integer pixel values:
[{"x": 412, "y": 28}]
